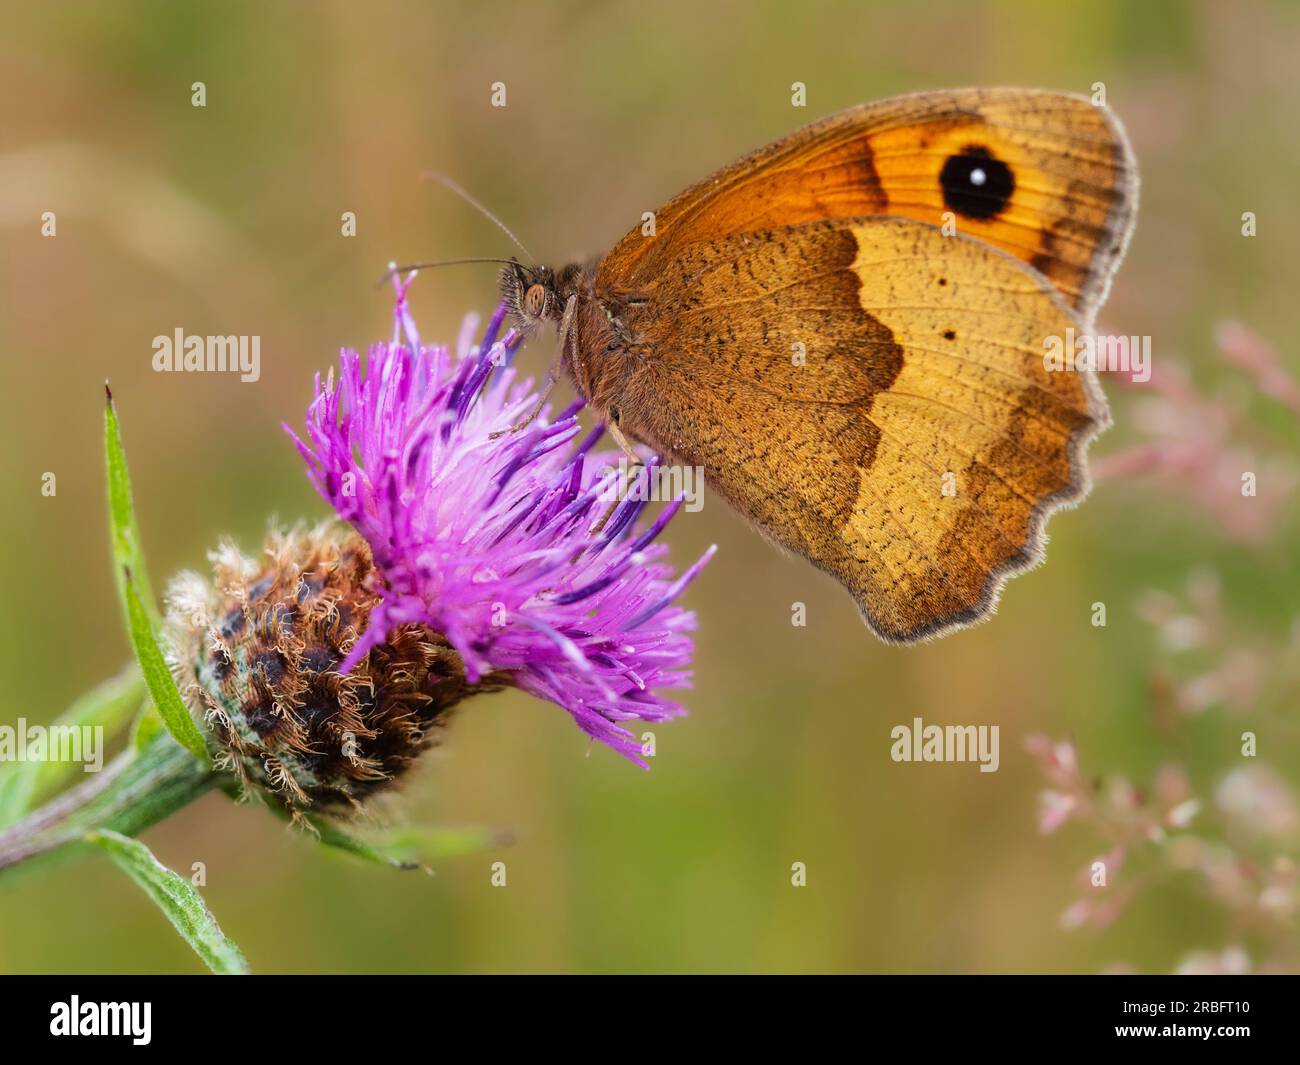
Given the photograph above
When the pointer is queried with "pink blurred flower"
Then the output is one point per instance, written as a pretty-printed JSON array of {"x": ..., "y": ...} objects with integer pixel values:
[
  {"x": 1259, "y": 802},
  {"x": 1246, "y": 349},
  {"x": 1200, "y": 449},
  {"x": 1054, "y": 809},
  {"x": 1231, "y": 961},
  {"x": 1231, "y": 668},
  {"x": 1147, "y": 831}
]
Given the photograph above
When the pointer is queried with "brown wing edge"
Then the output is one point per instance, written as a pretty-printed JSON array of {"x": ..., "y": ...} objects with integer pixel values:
[
  {"x": 1034, "y": 551},
  {"x": 1120, "y": 223}
]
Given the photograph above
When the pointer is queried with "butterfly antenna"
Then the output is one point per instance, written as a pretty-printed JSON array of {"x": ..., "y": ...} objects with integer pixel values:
[
  {"x": 447, "y": 182},
  {"x": 395, "y": 268}
]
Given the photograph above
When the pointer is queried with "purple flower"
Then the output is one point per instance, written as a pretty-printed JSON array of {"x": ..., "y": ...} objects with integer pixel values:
[{"x": 494, "y": 538}]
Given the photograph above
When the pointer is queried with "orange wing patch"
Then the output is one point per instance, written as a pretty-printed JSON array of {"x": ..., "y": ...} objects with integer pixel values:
[{"x": 1045, "y": 177}]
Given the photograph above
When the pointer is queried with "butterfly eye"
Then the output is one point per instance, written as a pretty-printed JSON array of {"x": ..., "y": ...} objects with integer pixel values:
[{"x": 535, "y": 301}]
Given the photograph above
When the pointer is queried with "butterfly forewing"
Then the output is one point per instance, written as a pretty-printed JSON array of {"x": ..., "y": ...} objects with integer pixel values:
[{"x": 1046, "y": 177}]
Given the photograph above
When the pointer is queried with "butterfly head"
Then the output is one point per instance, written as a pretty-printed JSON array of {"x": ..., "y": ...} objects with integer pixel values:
[
  {"x": 530, "y": 294},
  {"x": 535, "y": 295}
]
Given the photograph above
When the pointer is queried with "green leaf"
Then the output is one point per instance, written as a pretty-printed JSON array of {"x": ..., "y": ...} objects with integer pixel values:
[
  {"x": 128, "y": 550},
  {"x": 158, "y": 677},
  {"x": 148, "y": 723},
  {"x": 137, "y": 789},
  {"x": 410, "y": 848},
  {"x": 335, "y": 838},
  {"x": 177, "y": 899},
  {"x": 428, "y": 844},
  {"x": 105, "y": 707},
  {"x": 142, "y": 619},
  {"x": 17, "y": 789}
]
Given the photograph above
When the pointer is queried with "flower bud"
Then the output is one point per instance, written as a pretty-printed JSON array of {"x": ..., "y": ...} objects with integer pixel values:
[{"x": 256, "y": 653}]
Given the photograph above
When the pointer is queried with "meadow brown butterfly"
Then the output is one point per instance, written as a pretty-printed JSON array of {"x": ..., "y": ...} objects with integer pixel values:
[{"x": 846, "y": 330}]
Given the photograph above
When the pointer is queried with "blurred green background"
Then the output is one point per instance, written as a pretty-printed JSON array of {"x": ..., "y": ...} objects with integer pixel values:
[{"x": 226, "y": 219}]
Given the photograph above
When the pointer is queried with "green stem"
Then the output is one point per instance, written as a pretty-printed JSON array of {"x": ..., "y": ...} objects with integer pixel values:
[{"x": 136, "y": 790}]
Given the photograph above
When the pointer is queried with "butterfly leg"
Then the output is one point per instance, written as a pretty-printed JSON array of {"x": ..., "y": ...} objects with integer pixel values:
[
  {"x": 616, "y": 434},
  {"x": 634, "y": 468},
  {"x": 552, "y": 375}
]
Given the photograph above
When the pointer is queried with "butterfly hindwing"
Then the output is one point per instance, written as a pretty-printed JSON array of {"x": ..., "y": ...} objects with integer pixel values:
[{"x": 872, "y": 394}]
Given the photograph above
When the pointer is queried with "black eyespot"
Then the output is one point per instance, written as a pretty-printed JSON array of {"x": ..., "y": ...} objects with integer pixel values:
[
  {"x": 948, "y": 334},
  {"x": 976, "y": 184}
]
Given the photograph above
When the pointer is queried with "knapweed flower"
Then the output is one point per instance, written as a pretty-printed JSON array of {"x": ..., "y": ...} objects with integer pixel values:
[{"x": 478, "y": 556}]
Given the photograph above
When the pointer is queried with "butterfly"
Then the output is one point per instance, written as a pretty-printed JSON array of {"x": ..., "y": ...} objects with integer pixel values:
[{"x": 846, "y": 331}]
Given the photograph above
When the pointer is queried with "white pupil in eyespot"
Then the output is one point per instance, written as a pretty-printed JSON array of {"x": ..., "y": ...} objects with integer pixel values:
[{"x": 978, "y": 177}]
